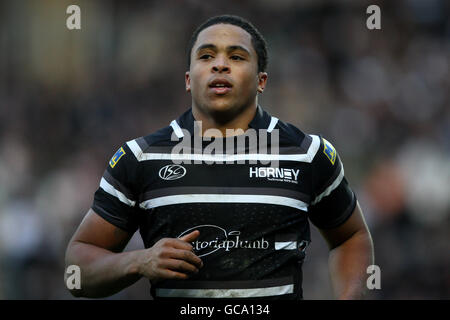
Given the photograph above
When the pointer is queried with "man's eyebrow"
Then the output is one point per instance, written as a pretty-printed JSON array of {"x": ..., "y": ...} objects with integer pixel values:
[
  {"x": 236, "y": 47},
  {"x": 206, "y": 46},
  {"x": 229, "y": 48}
]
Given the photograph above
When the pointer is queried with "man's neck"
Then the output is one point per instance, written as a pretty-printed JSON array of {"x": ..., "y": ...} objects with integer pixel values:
[{"x": 241, "y": 121}]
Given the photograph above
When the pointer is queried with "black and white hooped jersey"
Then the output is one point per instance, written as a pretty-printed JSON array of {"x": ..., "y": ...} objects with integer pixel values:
[{"x": 251, "y": 202}]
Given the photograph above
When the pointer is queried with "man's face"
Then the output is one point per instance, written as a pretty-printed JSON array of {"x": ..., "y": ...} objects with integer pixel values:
[{"x": 223, "y": 77}]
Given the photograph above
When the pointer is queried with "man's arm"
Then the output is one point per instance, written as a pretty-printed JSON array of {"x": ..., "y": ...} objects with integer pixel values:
[
  {"x": 97, "y": 246},
  {"x": 351, "y": 252}
]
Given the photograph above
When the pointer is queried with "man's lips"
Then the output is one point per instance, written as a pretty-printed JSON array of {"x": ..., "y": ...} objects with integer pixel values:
[
  {"x": 220, "y": 90},
  {"x": 220, "y": 86}
]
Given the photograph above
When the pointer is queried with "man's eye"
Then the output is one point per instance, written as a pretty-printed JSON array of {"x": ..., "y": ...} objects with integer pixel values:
[
  {"x": 236, "y": 58},
  {"x": 205, "y": 56}
]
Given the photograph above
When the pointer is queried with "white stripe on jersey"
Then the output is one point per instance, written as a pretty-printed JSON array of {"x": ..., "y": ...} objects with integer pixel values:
[
  {"x": 176, "y": 128},
  {"x": 116, "y": 193},
  {"x": 273, "y": 123},
  {"x": 223, "y": 198},
  {"x": 331, "y": 187},
  {"x": 225, "y": 293},
  {"x": 134, "y": 147},
  {"x": 286, "y": 245},
  {"x": 307, "y": 157}
]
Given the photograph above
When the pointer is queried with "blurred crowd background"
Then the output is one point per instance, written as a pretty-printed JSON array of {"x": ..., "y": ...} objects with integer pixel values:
[{"x": 70, "y": 98}]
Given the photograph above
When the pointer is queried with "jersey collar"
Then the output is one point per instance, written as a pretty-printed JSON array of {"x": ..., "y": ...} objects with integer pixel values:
[{"x": 261, "y": 120}]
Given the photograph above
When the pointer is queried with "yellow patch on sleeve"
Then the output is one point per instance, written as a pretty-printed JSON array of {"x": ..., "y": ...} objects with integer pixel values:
[
  {"x": 116, "y": 157},
  {"x": 329, "y": 151}
]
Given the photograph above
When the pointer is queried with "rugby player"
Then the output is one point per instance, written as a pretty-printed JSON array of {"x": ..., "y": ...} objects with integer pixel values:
[{"x": 222, "y": 224}]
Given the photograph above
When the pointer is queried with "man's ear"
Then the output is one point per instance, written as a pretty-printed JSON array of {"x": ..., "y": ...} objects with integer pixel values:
[
  {"x": 262, "y": 80},
  {"x": 187, "y": 80}
]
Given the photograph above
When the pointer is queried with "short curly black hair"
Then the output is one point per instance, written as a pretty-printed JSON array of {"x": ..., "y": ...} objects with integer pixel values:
[{"x": 258, "y": 41}]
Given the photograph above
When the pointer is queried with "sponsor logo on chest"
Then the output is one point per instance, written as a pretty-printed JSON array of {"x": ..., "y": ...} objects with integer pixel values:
[{"x": 275, "y": 174}]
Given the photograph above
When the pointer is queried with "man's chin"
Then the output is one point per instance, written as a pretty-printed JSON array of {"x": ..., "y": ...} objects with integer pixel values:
[{"x": 223, "y": 112}]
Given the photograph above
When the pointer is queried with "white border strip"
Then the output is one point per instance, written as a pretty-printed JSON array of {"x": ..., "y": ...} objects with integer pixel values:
[
  {"x": 225, "y": 293},
  {"x": 136, "y": 149},
  {"x": 286, "y": 245},
  {"x": 308, "y": 157},
  {"x": 223, "y": 198},
  {"x": 116, "y": 193},
  {"x": 273, "y": 123},
  {"x": 333, "y": 186},
  {"x": 176, "y": 128}
]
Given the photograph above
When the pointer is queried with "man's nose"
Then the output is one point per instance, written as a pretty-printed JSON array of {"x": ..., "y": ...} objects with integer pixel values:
[{"x": 220, "y": 65}]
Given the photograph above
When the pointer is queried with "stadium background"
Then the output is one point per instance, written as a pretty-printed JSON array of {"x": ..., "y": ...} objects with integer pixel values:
[{"x": 68, "y": 99}]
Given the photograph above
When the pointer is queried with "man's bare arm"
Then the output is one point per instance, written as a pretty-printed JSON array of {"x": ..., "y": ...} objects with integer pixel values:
[
  {"x": 97, "y": 246},
  {"x": 351, "y": 252}
]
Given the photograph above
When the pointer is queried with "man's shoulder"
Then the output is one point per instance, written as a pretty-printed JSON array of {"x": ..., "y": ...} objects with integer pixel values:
[
  {"x": 321, "y": 150},
  {"x": 160, "y": 137},
  {"x": 291, "y": 134},
  {"x": 154, "y": 142},
  {"x": 290, "y": 130}
]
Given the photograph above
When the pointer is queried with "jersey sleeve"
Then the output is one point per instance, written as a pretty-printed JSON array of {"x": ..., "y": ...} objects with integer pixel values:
[
  {"x": 333, "y": 200},
  {"x": 115, "y": 200}
]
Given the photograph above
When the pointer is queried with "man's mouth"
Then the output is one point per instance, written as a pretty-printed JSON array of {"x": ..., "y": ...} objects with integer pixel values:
[{"x": 220, "y": 86}]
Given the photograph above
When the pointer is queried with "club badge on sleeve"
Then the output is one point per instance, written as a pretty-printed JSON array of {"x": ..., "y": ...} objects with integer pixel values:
[
  {"x": 329, "y": 151},
  {"x": 116, "y": 157}
]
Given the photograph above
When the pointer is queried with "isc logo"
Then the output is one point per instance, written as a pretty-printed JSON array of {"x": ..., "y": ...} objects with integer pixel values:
[{"x": 172, "y": 172}]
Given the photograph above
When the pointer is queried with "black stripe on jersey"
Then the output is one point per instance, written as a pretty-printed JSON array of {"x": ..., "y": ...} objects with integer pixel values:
[
  {"x": 334, "y": 209},
  {"x": 114, "y": 211},
  {"x": 330, "y": 181},
  {"x": 240, "y": 284},
  {"x": 306, "y": 143},
  {"x": 118, "y": 186},
  {"x": 293, "y": 150},
  {"x": 285, "y": 237},
  {"x": 142, "y": 144},
  {"x": 159, "y": 149},
  {"x": 224, "y": 190},
  {"x": 347, "y": 212}
]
